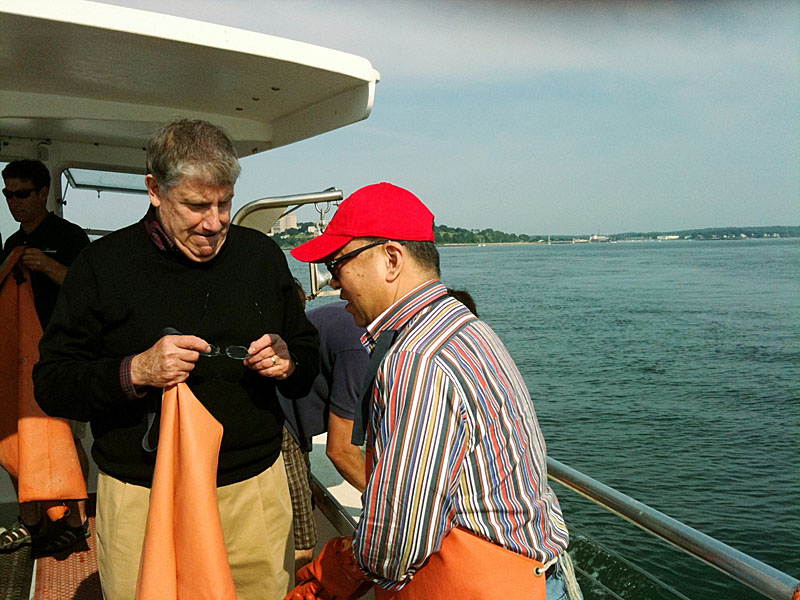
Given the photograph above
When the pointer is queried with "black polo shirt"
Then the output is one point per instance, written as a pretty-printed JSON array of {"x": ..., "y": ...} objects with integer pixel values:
[{"x": 60, "y": 240}]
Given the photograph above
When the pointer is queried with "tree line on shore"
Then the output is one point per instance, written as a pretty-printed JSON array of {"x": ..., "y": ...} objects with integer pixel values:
[{"x": 457, "y": 235}]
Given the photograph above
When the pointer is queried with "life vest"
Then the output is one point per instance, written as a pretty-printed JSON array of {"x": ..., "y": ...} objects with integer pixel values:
[{"x": 469, "y": 567}]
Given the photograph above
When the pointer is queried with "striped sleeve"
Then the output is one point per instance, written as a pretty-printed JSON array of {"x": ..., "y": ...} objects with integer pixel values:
[{"x": 420, "y": 444}]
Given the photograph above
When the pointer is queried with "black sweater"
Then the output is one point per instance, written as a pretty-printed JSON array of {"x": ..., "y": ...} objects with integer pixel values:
[{"x": 118, "y": 296}]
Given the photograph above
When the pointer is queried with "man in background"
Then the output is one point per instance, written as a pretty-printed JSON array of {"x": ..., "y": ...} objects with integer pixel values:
[
  {"x": 465, "y": 298},
  {"x": 51, "y": 245},
  {"x": 329, "y": 407}
]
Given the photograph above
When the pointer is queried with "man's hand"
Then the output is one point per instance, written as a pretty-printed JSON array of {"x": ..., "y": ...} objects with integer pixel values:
[
  {"x": 333, "y": 574},
  {"x": 269, "y": 356},
  {"x": 168, "y": 362},
  {"x": 310, "y": 590},
  {"x": 36, "y": 260}
]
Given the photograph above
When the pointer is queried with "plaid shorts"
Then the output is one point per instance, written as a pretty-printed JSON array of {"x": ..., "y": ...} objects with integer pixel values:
[{"x": 298, "y": 469}]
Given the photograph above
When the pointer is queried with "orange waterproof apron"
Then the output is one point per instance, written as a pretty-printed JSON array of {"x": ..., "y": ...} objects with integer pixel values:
[
  {"x": 469, "y": 567},
  {"x": 184, "y": 556},
  {"x": 36, "y": 449}
]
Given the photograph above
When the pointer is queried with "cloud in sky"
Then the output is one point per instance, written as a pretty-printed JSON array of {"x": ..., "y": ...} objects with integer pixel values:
[
  {"x": 560, "y": 117},
  {"x": 491, "y": 41}
]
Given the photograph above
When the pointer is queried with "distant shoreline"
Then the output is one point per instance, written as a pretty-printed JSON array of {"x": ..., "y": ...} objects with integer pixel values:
[
  {"x": 586, "y": 242},
  {"x": 457, "y": 236}
]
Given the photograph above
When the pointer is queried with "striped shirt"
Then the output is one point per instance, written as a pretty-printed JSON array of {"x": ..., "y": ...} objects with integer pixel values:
[{"x": 454, "y": 441}]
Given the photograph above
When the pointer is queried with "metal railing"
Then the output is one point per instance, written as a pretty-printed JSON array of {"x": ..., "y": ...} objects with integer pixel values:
[
  {"x": 294, "y": 200},
  {"x": 763, "y": 578},
  {"x": 755, "y": 574},
  {"x": 330, "y": 507}
]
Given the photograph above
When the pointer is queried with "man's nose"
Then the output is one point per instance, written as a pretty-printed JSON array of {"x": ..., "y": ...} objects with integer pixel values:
[
  {"x": 334, "y": 283},
  {"x": 211, "y": 220}
]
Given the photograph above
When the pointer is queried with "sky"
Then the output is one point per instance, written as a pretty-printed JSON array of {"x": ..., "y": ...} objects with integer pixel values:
[{"x": 543, "y": 117}]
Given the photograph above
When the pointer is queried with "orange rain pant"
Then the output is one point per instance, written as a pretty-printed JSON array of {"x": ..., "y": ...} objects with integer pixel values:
[
  {"x": 184, "y": 556},
  {"x": 36, "y": 449}
]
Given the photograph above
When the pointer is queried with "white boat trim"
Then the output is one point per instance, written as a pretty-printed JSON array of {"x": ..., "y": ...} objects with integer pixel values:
[{"x": 85, "y": 84}]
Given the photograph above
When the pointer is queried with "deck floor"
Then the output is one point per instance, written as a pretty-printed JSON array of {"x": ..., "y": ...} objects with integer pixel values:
[
  {"x": 70, "y": 575},
  {"x": 15, "y": 574},
  {"x": 73, "y": 575}
]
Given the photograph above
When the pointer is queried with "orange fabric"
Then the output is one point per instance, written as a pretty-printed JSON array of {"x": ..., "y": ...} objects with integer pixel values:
[
  {"x": 468, "y": 567},
  {"x": 184, "y": 556},
  {"x": 36, "y": 449},
  {"x": 333, "y": 574}
]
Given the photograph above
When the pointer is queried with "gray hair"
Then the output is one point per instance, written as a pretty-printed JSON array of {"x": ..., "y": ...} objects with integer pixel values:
[{"x": 192, "y": 148}]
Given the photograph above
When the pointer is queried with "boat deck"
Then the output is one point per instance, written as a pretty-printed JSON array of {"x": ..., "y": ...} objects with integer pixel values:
[{"x": 72, "y": 575}]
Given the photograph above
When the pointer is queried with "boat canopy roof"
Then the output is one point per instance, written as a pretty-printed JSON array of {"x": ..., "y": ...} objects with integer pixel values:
[{"x": 85, "y": 84}]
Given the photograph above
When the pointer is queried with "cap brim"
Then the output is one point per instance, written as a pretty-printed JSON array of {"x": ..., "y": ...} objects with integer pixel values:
[{"x": 321, "y": 247}]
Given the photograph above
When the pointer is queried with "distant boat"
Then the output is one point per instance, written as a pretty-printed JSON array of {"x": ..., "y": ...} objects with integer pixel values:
[{"x": 598, "y": 238}]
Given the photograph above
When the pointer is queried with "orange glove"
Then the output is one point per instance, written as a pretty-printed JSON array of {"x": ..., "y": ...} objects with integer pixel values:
[{"x": 333, "y": 575}]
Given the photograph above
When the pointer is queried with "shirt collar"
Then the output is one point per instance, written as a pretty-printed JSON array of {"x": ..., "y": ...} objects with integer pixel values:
[
  {"x": 39, "y": 227},
  {"x": 157, "y": 233},
  {"x": 401, "y": 312}
]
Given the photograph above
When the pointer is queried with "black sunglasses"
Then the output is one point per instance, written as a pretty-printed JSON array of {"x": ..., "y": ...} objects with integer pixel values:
[
  {"x": 19, "y": 194},
  {"x": 333, "y": 265}
]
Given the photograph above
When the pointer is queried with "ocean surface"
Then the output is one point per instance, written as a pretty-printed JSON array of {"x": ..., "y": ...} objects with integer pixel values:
[{"x": 669, "y": 371}]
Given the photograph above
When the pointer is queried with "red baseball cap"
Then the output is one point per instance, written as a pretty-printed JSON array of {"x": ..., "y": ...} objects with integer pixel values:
[{"x": 380, "y": 210}]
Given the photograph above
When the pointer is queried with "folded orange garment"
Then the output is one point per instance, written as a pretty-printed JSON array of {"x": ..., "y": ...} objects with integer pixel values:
[
  {"x": 36, "y": 449},
  {"x": 184, "y": 554}
]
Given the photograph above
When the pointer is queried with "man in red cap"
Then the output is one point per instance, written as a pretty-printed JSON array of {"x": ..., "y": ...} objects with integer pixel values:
[{"x": 457, "y": 502}]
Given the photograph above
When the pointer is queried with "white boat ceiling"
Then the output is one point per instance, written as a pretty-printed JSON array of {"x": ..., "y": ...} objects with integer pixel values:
[{"x": 85, "y": 84}]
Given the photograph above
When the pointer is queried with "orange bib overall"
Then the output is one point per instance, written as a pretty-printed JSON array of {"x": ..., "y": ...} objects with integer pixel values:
[
  {"x": 36, "y": 449},
  {"x": 468, "y": 567}
]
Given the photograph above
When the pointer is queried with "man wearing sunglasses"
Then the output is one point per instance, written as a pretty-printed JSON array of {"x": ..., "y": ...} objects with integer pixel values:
[
  {"x": 51, "y": 242},
  {"x": 184, "y": 296},
  {"x": 457, "y": 502},
  {"x": 51, "y": 245}
]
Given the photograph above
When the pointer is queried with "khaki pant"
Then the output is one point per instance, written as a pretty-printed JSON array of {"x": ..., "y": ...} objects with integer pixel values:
[{"x": 256, "y": 519}]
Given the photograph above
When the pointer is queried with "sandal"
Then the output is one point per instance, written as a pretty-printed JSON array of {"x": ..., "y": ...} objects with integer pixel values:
[
  {"x": 17, "y": 536},
  {"x": 62, "y": 538}
]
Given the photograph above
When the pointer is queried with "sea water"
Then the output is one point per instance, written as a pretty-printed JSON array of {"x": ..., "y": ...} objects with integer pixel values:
[{"x": 669, "y": 371}]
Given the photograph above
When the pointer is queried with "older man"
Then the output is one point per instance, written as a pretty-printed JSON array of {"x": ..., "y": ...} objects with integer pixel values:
[
  {"x": 107, "y": 355},
  {"x": 457, "y": 504}
]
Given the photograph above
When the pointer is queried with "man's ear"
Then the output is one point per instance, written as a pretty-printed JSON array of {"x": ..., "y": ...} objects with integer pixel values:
[
  {"x": 153, "y": 189},
  {"x": 44, "y": 193},
  {"x": 395, "y": 260}
]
